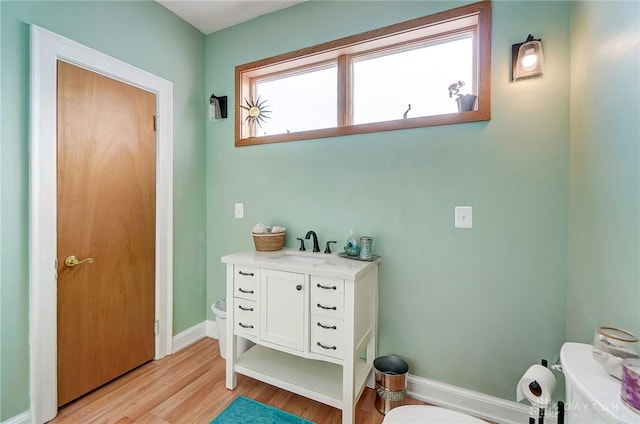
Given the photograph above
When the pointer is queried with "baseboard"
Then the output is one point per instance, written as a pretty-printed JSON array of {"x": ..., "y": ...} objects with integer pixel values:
[
  {"x": 189, "y": 336},
  {"x": 24, "y": 418},
  {"x": 478, "y": 404},
  {"x": 212, "y": 329}
]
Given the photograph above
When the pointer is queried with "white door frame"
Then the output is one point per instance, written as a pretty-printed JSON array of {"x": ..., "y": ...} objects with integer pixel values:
[{"x": 46, "y": 49}]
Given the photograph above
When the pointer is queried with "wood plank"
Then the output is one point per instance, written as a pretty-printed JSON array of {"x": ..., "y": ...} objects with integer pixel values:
[
  {"x": 107, "y": 397},
  {"x": 189, "y": 387}
]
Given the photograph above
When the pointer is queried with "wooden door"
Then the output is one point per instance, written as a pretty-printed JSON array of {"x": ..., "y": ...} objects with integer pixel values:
[{"x": 105, "y": 211}]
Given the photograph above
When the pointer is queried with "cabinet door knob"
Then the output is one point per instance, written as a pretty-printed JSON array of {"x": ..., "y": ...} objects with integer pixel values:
[{"x": 299, "y": 287}]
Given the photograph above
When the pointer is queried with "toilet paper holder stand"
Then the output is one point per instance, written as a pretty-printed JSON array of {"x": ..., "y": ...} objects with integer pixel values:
[{"x": 541, "y": 411}]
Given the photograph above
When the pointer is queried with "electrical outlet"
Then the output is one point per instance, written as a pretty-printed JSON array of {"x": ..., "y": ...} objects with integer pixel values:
[
  {"x": 464, "y": 217},
  {"x": 239, "y": 210}
]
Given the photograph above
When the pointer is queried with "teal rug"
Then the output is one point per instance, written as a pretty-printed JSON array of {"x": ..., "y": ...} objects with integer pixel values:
[{"x": 244, "y": 410}]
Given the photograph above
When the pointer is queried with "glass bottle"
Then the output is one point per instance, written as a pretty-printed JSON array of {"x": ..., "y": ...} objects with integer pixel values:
[{"x": 365, "y": 248}]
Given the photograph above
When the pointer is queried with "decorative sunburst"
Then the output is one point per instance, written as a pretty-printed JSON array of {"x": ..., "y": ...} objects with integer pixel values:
[{"x": 256, "y": 111}]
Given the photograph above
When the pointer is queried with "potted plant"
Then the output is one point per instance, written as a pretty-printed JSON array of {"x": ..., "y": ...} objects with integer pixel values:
[{"x": 466, "y": 102}]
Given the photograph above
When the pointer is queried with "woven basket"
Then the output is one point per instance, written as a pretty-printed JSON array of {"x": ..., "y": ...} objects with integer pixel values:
[{"x": 268, "y": 242}]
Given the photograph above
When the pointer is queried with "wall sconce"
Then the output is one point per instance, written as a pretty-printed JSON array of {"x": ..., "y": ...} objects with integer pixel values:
[
  {"x": 527, "y": 59},
  {"x": 217, "y": 107}
]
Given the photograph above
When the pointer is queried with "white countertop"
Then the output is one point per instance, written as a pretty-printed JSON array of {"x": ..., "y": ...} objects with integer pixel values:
[{"x": 292, "y": 260}]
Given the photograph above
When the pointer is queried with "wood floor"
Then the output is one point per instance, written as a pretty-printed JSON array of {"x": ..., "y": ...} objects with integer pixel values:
[{"x": 189, "y": 387}]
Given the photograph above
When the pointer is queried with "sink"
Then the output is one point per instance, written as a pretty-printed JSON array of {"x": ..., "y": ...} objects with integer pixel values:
[{"x": 298, "y": 258}]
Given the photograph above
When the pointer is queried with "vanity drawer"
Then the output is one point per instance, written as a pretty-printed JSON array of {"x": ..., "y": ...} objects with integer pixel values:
[
  {"x": 327, "y": 336},
  {"x": 246, "y": 317},
  {"x": 327, "y": 297},
  {"x": 246, "y": 281}
]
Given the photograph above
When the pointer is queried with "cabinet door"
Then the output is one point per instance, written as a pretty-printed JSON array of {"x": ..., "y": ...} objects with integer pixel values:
[{"x": 282, "y": 308}]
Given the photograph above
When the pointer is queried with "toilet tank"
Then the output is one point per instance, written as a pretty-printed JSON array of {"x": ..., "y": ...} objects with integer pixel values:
[{"x": 592, "y": 395}]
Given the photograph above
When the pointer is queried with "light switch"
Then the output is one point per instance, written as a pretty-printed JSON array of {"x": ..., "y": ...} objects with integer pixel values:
[
  {"x": 239, "y": 210},
  {"x": 464, "y": 217}
]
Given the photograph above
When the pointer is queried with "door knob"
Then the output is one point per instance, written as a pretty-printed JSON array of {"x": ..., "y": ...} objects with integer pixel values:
[
  {"x": 73, "y": 261},
  {"x": 299, "y": 287}
]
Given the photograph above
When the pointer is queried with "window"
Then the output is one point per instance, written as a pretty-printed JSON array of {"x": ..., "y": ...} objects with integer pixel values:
[
  {"x": 293, "y": 96},
  {"x": 418, "y": 77},
  {"x": 391, "y": 78}
]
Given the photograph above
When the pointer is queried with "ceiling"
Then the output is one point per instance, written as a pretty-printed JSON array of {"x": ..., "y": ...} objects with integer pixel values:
[{"x": 213, "y": 15}]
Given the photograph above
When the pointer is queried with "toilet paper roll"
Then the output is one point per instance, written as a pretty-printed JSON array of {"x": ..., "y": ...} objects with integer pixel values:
[{"x": 537, "y": 386}]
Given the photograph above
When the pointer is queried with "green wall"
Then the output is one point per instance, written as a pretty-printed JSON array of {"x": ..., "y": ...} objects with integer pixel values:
[
  {"x": 604, "y": 213},
  {"x": 553, "y": 179},
  {"x": 145, "y": 35},
  {"x": 474, "y": 308}
]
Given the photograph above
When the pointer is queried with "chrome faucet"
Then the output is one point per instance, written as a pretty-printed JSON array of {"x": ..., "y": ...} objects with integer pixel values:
[{"x": 316, "y": 247}]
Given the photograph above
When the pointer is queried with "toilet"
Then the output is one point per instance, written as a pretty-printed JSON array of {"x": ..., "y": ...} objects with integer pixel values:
[
  {"x": 422, "y": 414},
  {"x": 592, "y": 395}
]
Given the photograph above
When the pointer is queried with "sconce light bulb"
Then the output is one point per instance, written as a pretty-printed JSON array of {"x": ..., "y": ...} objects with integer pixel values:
[{"x": 530, "y": 59}]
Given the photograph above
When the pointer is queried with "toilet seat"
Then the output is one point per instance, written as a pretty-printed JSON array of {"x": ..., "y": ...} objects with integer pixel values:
[{"x": 424, "y": 414}]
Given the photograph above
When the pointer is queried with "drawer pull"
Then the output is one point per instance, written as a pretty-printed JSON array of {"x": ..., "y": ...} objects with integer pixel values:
[
  {"x": 242, "y": 308},
  {"x": 248, "y": 274},
  {"x": 327, "y": 327},
  {"x": 245, "y": 326},
  {"x": 241, "y": 290},
  {"x": 326, "y": 347},
  {"x": 333, "y": 308},
  {"x": 320, "y": 286}
]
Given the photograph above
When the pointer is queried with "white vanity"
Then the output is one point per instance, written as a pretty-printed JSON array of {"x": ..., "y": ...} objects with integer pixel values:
[{"x": 312, "y": 316}]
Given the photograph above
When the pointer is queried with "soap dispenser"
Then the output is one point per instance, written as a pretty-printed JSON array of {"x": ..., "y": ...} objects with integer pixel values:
[{"x": 352, "y": 247}]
